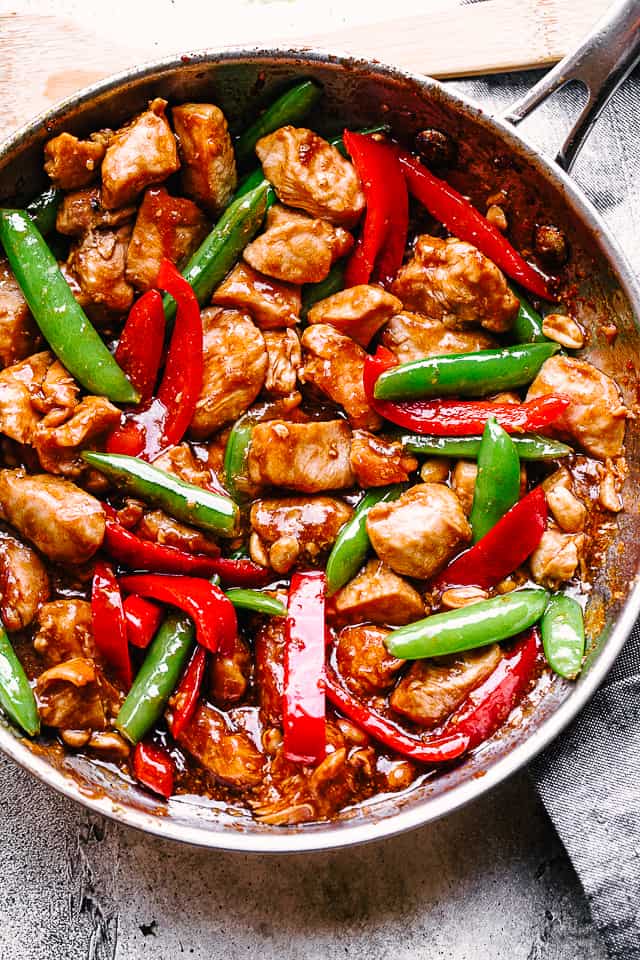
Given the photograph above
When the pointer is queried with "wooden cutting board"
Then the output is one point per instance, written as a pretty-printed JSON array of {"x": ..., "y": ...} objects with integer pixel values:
[{"x": 48, "y": 57}]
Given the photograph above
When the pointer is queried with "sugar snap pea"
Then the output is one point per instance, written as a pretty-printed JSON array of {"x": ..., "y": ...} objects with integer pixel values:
[
  {"x": 16, "y": 696},
  {"x": 529, "y": 446},
  {"x": 256, "y": 601},
  {"x": 498, "y": 479},
  {"x": 43, "y": 209},
  {"x": 562, "y": 630}
]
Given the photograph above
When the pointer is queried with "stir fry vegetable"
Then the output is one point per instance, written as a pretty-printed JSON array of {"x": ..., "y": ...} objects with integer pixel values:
[
  {"x": 314, "y": 292},
  {"x": 527, "y": 327},
  {"x": 528, "y": 447},
  {"x": 562, "y": 629},
  {"x": 43, "y": 209},
  {"x": 257, "y": 602},
  {"x": 109, "y": 624},
  {"x": 497, "y": 484},
  {"x": 303, "y": 701},
  {"x": 236, "y": 453},
  {"x": 16, "y": 696},
  {"x": 142, "y": 620},
  {"x": 139, "y": 349},
  {"x": 185, "y": 699},
  {"x": 154, "y": 768},
  {"x": 59, "y": 316}
]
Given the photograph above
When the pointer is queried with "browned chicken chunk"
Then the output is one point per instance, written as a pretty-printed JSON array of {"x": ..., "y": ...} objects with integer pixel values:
[
  {"x": 296, "y": 529},
  {"x": 208, "y": 162},
  {"x": 432, "y": 689},
  {"x": 65, "y": 631},
  {"x": 82, "y": 211},
  {"x": 71, "y": 163},
  {"x": 166, "y": 226},
  {"x": 18, "y": 384},
  {"x": 269, "y": 659},
  {"x": 557, "y": 557},
  {"x": 284, "y": 359},
  {"x": 380, "y": 595},
  {"x": 73, "y": 695},
  {"x": 24, "y": 583},
  {"x": 98, "y": 261},
  {"x": 377, "y": 462},
  {"x": 411, "y": 337},
  {"x": 450, "y": 280},
  {"x": 297, "y": 248},
  {"x": 235, "y": 365},
  {"x": 310, "y": 457},
  {"x": 270, "y": 302},
  {"x": 416, "y": 534},
  {"x": 310, "y": 174},
  {"x": 364, "y": 661},
  {"x": 18, "y": 332},
  {"x": 229, "y": 674},
  {"x": 230, "y": 756},
  {"x": 59, "y": 447},
  {"x": 567, "y": 509},
  {"x": 596, "y": 417},
  {"x": 161, "y": 528},
  {"x": 358, "y": 311},
  {"x": 334, "y": 364},
  {"x": 183, "y": 462},
  {"x": 62, "y": 521},
  {"x": 140, "y": 154}
]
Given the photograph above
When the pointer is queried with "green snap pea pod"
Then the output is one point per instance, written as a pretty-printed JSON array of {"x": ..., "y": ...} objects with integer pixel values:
[
  {"x": 497, "y": 485},
  {"x": 290, "y": 108},
  {"x": 529, "y": 446},
  {"x": 220, "y": 250},
  {"x": 465, "y": 374},
  {"x": 562, "y": 630},
  {"x": 236, "y": 454},
  {"x": 527, "y": 327},
  {"x": 43, "y": 209},
  {"x": 257, "y": 601},
  {"x": 16, "y": 696},
  {"x": 59, "y": 316},
  {"x": 157, "y": 678},
  {"x": 352, "y": 543},
  {"x": 470, "y": 627},
  {"x": 314, "y": 292},
  {"x": 182, "y": 500}
]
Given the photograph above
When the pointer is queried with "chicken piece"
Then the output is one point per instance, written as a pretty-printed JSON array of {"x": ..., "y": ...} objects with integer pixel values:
[
  {"x": 18, "y": 417},
  {"x": 82, "y": 211},
  {"x": 297, "y": 528},
  {"x": 24, "y": 583},
  {"x": 62, "y": 521},
  {"x": 358, "y": 311},
  {"x": 182, "y": 462},
  {"x": 463, "y": 481},
  {"x": 235, "y": 364},
  {"x": 612, "y": 474},
  {"x": 98, "y": 262},
  {"x": 297, "y": 248},
  {"x": 311, "y": 175},
  {"x": 140, "y": 154},
  {"x": 363, "y": 660},
  {"x": 595, "y": 418},
  {"x": 65, "y": 631},
  {"x": 432, "y": 689},
  {"x": 229, "y": 674},
  {"x": 18, "y": 331},
  {"x": 450, "y": 280},
  {"x": 230, "y": 756},
  {"x": 557, "y": 557},
  {"x": 160, "y": 528},
  {"x": 71, "y": 163},
  {"x": 417, "y": 533},
  {"x": 413, "y": 337},
  {"x": 206, "y": 151},
  {"x": 335, "y": 364},
  {"x": 377, "y": 462},
  {"x": 309, "y": 457},
  {"x": 269, "y": 659},
  {"x": 59, "y": 447},
  {"x": 379, "y": 595},
  {"x": 568, "y": 511},
  {"x": 271, "y": 303},
  {"x": 284, "y": 359},
  {"x": 74, "y": 695},
  {"x": 166, "y": 226}
]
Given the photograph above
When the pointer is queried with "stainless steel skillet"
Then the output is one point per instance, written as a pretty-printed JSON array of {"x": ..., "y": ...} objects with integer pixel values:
[{"x": 598, "y": 283}]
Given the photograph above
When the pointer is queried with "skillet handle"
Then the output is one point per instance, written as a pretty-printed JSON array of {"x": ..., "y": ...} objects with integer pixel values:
[{"x": 601, "y": 63}]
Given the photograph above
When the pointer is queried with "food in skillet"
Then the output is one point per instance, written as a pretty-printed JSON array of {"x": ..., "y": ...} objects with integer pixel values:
[{"x": 298, "y": 501}]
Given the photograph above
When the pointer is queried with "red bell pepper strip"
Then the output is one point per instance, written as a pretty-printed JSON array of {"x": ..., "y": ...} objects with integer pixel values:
[
  {"x": 304, "y": 700},
  {"x": 501, "y": 551},
  {"x": 457, "y": 418},
  {"x": 109, "y": 624},
  {"x": 164, "y": 420},
  {"x": 139, "y": 349},
  {"x": 206, "y": 604},
  {"x": 138, "y": 554},
  {"x": 154, "y": 768},
  {"x": 430, "y": 750},
  {"x": 143, "y": 619},
  {"x": 380, "y": 247},
  {"x": 463, "y": 220},
  {"x": 185, "y": 700},
  {"x": 488, "y": 707}
]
